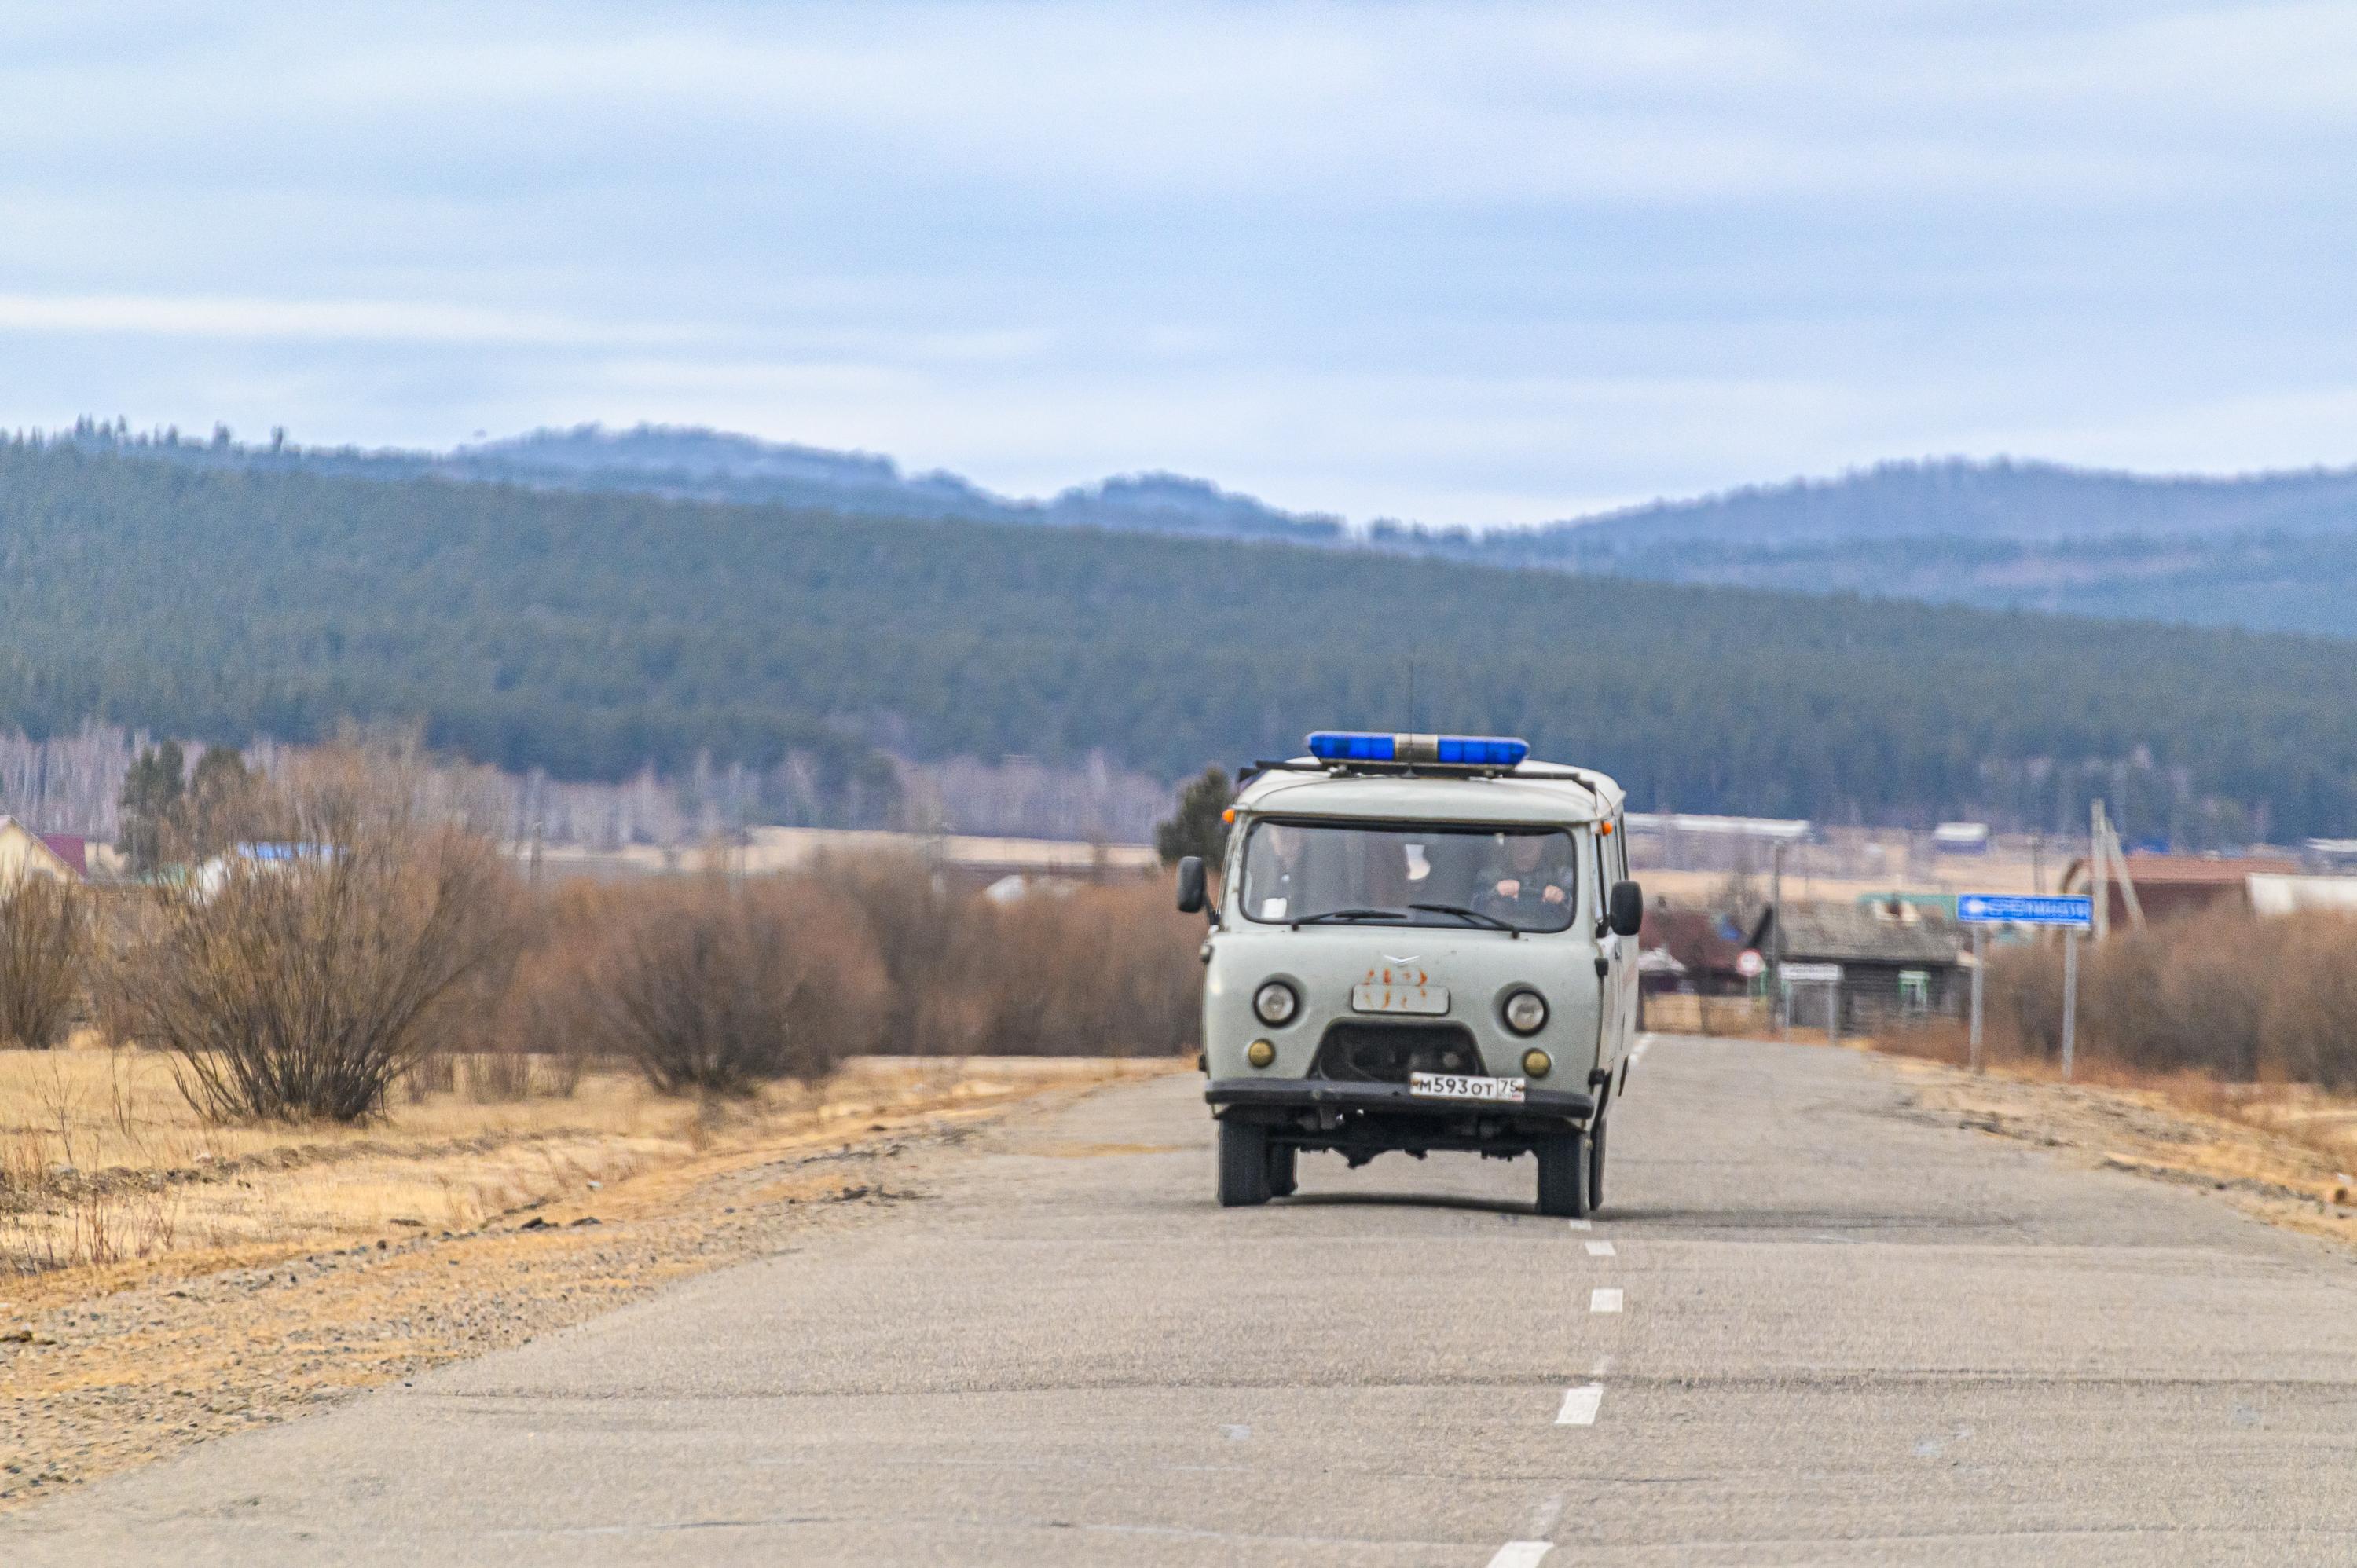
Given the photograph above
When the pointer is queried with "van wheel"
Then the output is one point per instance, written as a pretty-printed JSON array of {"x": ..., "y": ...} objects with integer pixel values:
[
  {"x": 1281, "y": 1178},
  {"x": 1243, "y": 1164},
  {"x": 1563, "y": 1170},
  {"x": 1595, "y": 1166}
]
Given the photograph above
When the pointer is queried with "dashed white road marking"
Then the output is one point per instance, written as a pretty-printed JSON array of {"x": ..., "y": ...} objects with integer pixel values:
[
  {"x": 1581, "y": 1224},
  {"x": 1580, "y": 1406},
  {"x": 1522, "y": 1554},
  {"x": 1599, "y": 1249},
  {"x": 1604, "y": 1298}
]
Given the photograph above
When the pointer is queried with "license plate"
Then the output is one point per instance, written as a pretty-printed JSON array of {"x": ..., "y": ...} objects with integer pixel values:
[
  {"x": 1455, "y": 1086},
  {"x": 1431, "y": 1000}
]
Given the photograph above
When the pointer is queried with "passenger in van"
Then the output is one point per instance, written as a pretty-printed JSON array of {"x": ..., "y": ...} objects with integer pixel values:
[
  {"x": 1536, "y": 866},
  {"x": 1273, "y": 879}
]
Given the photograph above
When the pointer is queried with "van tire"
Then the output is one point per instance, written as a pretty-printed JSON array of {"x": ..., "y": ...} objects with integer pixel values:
[
  {"x": 1243, "y": 1164},
  {"x": 1563, "y": 1172},
  {"x": 1282, "y": 1179},
  {"x": 1596, "y": 1166}
]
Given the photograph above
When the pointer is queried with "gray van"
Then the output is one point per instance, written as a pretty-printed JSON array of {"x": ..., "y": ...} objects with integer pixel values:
[{"x": 1418, "y": 942}]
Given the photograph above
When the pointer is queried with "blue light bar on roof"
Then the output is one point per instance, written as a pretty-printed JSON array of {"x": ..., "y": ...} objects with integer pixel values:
[
  {"x": 1347, "y": 746},
  {"x": 1407, "y": 750},
  {"x": 1483, "y": 750}
]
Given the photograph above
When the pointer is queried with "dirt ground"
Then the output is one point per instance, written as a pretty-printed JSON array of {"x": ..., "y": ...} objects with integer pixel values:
[
  {"x": 291, "y": 1279},
  {"x": 2280, "y": 1152}
]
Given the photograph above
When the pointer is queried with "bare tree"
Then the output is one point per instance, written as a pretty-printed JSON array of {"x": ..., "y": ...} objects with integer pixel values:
[
  {"x": 299, "y": 986},
  {"x": 44, "y": 946}
]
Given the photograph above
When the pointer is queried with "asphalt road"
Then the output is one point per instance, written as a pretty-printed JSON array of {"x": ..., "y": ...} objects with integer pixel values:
[{"x": 1844, "y": 1333}]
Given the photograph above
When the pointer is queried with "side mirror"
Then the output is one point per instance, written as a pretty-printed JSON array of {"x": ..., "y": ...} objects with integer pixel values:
[
  {"x": 1191, "y": 885},
  {"x": 1624, "y": 909}
]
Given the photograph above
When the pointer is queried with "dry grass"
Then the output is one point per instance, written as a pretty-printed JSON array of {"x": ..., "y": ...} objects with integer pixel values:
[
  {"x": 1741, "y": 1017},
  {"x": 2296, "y": 1141},
  {"x": 104, "y": 1161}
]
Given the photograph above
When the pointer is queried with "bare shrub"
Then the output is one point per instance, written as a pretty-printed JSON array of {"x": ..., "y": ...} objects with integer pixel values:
[
  {"x": 301, "y": 988},
  {"x": 436, "y": 1072},
  {"x": 716, "y": 986},
  {"x": 915, "y": 922},
  {"x": 45, "y": 942},
  {"x": 2308, "y": 1032},
  {"x": 1085, "y": 971},
  {"x": 2228, "y": 996},
  {"x": 498, "y": 1077}
]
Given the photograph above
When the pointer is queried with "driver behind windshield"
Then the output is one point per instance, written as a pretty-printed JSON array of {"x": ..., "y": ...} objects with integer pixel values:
[{"x": 1532, "y": 881}]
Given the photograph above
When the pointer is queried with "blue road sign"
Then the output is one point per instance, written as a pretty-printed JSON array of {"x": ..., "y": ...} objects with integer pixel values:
[{"x": 2075, "y": 911}]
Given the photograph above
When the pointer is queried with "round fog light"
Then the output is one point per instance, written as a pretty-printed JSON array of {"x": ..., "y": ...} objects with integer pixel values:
[
  {"x": 1536, "y": 1063},
  {"x": 1275, "y": 1002},
  {"x": 1525, "y": 1012},
  {"x": 1260, "y": 1053}
]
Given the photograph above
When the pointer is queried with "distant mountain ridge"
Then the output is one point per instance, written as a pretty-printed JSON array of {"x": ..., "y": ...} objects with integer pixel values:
[
  {"x": 1953, "y": 498},
  {"x": 708, "y": 465},
  {"x": 1959, "y": 499},
  {"x": 2266, "y": 551}
]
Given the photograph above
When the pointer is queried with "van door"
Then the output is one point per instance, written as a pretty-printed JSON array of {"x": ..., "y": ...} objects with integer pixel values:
[
  {"x": 1630, "y": 973},
  {"x": 1609, "y": 960}
]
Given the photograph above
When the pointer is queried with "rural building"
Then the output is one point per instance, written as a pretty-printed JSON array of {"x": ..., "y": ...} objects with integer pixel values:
[
  {"x": 2272, "y": 895},
  {"x": 1898, "y": 960},
  {"x": 23, "y": 853},
  {"x": 1691, "y": 951},
  {"x": 71, "y": 848},
  {"x": 2170, "y": 886}
]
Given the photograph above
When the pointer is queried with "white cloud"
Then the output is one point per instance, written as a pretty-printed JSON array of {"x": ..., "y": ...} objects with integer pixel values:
[
  {"x": 307, "y": 320},
  {"x": 1466, "y": 262}
]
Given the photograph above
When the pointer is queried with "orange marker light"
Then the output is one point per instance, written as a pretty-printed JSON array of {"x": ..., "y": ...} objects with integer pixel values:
[
  {"x": 1604, "y": 829},
  {"x": 1228, "y": 816}
]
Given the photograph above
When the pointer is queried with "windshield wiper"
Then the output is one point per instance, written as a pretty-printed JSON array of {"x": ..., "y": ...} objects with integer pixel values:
[
  {"x": 1348, "y": 915},
  {"x": 1475, "y": 915}
]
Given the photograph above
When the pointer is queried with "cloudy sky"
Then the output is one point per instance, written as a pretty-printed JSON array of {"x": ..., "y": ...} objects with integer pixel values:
[{"x": 1464, "y": 263}]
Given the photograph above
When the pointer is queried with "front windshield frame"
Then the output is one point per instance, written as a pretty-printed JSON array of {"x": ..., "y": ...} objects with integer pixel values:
[{"x": 1469, "y": 875}]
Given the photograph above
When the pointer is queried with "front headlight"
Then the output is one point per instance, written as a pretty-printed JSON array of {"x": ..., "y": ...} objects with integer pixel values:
[
  {"x": 1527, "y": 1011},
  {"x": 1275, "y": 1002}
]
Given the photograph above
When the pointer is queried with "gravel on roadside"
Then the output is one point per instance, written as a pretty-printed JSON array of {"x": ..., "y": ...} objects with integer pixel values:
[{"x": 89, "y": 1386}]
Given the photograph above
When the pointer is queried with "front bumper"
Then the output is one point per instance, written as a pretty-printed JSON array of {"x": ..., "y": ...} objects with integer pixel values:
[{"x": 1325, "y": 1113}]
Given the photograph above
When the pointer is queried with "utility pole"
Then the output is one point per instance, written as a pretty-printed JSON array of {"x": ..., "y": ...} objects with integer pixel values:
[
  {"x": 1980, "y": 969},
  {"x": 2069, "y": 996},
  {"x": 1776, "y": 933},
  {"x": 2096, "y": 866}
]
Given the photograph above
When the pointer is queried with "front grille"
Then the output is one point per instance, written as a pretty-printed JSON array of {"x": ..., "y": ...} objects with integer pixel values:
[{"x": 1355, "y": 1052}]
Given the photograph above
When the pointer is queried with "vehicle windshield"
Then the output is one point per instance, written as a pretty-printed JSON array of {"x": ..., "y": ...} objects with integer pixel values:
[{"x": 1524, "y": 879}]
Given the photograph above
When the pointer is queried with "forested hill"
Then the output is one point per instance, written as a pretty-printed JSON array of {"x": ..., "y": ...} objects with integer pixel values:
[
  {"x": 2267, "y": 552},
  {"x": 590, "y": 633}
]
